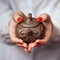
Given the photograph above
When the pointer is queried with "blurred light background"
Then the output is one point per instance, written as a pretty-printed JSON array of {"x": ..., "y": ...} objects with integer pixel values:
[{"x": 36, "y": 7}]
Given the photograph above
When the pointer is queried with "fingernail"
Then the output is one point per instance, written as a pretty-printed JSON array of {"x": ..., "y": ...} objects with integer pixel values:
[
  {"x": 38, "y": 43},
  {"x": 19, "y": 19},
  {"x": 24, "y": 46},
  {"x": 19, "y": 43},
  {"x": 39, "y": 19}
]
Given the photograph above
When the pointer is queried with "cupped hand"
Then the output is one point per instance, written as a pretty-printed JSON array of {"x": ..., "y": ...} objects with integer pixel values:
[
  {"x": 11, "y": 28},
  {"x": 49, "y": 28}
]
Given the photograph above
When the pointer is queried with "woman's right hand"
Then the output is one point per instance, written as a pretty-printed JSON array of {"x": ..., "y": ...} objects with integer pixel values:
[{"x": 12, "y": 24}]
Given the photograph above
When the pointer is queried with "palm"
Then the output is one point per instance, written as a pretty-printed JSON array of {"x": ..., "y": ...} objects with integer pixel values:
[{"x": 48, "y": 24}]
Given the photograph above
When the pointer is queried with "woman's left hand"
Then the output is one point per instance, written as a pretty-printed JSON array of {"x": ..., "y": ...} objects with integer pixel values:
[{"x": 49, "y": 28}]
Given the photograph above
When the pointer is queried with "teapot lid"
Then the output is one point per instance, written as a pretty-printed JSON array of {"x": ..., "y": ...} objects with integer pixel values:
[{"x": 30, "y": 21}]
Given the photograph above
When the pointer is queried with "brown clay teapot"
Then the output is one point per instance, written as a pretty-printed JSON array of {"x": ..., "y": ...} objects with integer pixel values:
[{"x": 29, "y": 29}]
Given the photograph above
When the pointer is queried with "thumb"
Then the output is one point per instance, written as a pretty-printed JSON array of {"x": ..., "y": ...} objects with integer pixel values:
[{"x": 44, "y": 18}]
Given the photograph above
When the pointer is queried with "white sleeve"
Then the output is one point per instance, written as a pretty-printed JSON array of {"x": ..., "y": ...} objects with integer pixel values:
[{"x": 56, "y": 34}]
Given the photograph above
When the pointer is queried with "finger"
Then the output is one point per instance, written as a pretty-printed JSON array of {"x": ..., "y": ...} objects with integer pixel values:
[
  {"x": 37, "y": 41},
  {"x": 27, "y": 51},
  {"x": 18, "y": 16},
  {"x": 20, "y": 42},
  {"x": 24, "y": 45},
  {"x": 31, "y": 45},
  {"x": 44, "y": 18},
  {"x": 20, "y": 13}
]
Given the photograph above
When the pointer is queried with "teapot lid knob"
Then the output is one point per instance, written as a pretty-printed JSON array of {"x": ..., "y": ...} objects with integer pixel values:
[{"x": 29, "y": 20}]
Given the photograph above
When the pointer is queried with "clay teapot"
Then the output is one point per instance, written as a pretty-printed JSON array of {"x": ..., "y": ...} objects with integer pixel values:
[{"x": 30, "y": 29}]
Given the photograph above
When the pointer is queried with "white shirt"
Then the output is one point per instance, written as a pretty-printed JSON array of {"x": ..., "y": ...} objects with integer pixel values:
[{"x": 51, "y": 51}]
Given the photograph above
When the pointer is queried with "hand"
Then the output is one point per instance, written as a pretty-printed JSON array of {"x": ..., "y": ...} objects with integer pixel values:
[
  {"x": 49, "y": 27},
  {"x": 12, "y": 24}
]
